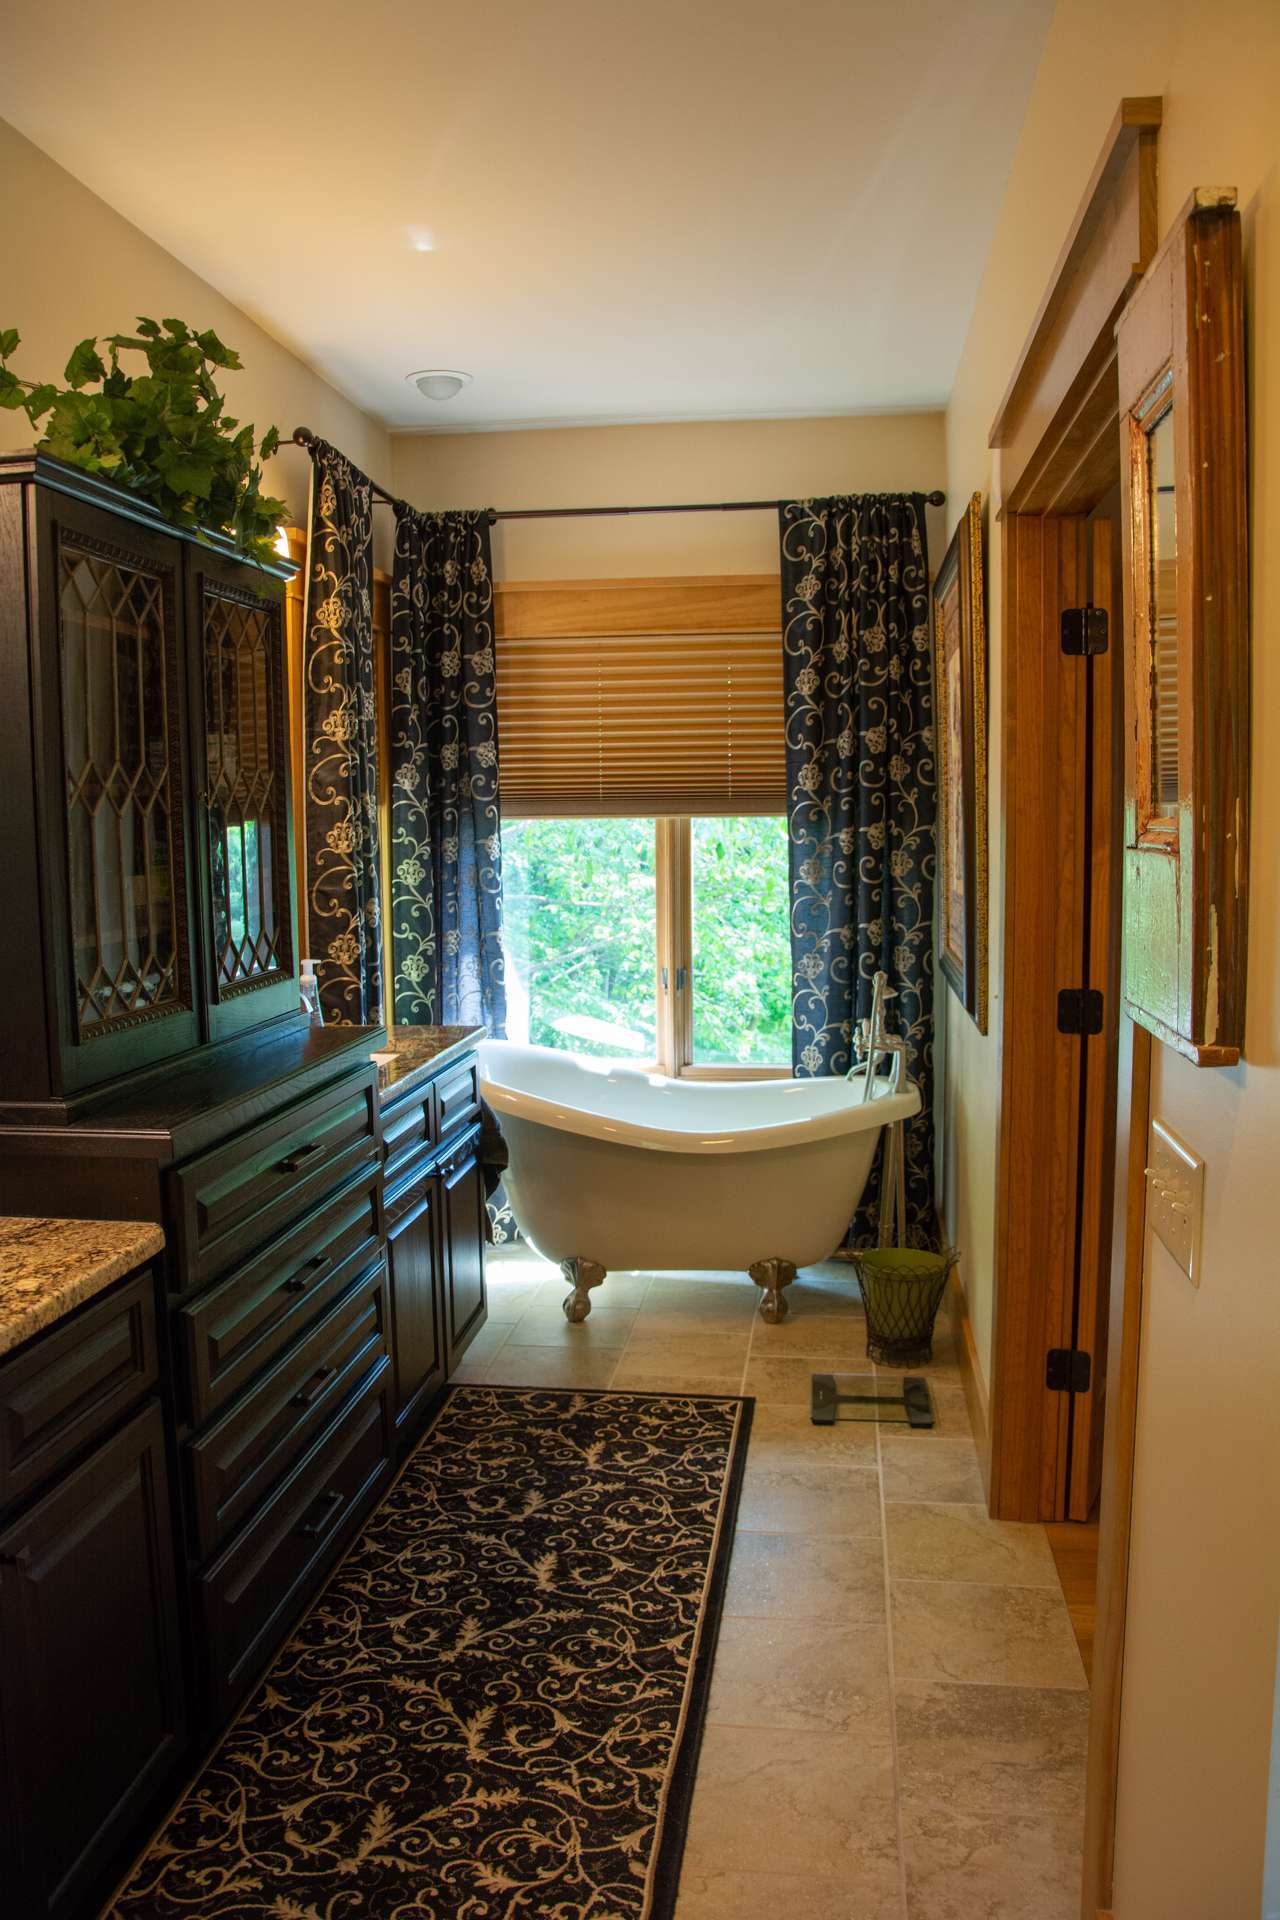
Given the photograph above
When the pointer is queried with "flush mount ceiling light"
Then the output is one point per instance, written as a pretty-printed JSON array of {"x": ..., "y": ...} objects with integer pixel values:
[{"x": 439, "y": 383}]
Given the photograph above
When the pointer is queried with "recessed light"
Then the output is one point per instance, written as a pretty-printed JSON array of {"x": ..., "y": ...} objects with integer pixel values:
[
  {"x": 420, "y": 239},
  {"x": 439, "y": 383}
]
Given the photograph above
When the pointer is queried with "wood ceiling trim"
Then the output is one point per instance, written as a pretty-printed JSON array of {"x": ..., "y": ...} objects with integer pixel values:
[{"x": 1108, "y": 248}]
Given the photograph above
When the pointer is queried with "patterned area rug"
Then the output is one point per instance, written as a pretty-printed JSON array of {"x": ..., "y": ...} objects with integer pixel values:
[{"x": 493, "y": 1712}]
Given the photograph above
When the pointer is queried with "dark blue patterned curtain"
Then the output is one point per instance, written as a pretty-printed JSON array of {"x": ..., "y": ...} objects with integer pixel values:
[
  {"x": 341, "y": 749},
  {"x": 861, "y": 800},
  {"x": 446, "y": 853}
]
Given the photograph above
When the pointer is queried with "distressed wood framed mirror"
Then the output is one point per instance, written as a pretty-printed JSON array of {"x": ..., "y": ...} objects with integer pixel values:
[{"x": 1186, "y": 633}]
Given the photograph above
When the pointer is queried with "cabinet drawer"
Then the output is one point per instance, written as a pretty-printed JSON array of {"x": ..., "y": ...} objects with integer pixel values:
[
  {"x": 248, "y": 1319},
  {"x": 230, "y": 1200},
  {"x": 259, "y": 1584},
  {"x": 68, "y": 1386},
  {"x": 406, "y": 1132},
  {"x": 457, "y": 1099},
  {"x": 236, "y": 1462}
]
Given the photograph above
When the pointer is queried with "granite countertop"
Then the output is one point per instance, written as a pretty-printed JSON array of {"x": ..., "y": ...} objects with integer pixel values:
[
  {"x": 47, "y": 1267},
  {"x": 413, "y": 1053}
]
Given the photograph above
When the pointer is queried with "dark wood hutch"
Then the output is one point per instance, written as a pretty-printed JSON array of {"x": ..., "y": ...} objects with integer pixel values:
[{"x": 322, "y": 1267}]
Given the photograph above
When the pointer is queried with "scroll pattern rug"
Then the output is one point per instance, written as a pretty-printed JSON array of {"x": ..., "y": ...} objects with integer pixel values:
[{"x": 493, "y": 1711}]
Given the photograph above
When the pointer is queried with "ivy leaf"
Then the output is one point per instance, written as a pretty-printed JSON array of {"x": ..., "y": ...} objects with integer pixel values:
[
  {"x": 39, "y": 400},
  {"x": 148, "y": 328},
  {"x": 214, "y": 350},
  {"x": 12, "y": 392},
  {"x": 85, "y": 364},
  {"x": 9, "y": 341},
  {"x": 270, "y": 442},
  {"x": 179, "y": 330},
  {"x": 188, "y": 476}
]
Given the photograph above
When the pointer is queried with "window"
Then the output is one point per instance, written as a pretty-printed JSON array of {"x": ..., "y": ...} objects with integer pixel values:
[
  {"x": 644, "y": 848},
  {"x": 661, "y": 941}
]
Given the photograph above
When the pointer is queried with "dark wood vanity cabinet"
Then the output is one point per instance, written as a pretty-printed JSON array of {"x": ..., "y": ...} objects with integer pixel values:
[
  {"x": 435, "y": 1231},
  {"x": 414, "y": 1266},
  {"x": 145, "y": 828},
  {"x": 92, "y": 1693}
]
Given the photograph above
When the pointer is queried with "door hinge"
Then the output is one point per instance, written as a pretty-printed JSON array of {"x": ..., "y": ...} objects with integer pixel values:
[
  {"x": 1084, "y": 630},
  {"x": 1067, "y": 1370},
  {"x": 1079, "y": 1010}
]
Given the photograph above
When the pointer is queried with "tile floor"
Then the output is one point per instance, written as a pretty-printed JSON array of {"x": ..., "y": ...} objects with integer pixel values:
[{"x": 898, "y": 1715}]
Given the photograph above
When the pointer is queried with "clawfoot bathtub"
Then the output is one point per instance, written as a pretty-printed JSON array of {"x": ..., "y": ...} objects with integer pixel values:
[{"x": 613, "y": 1166}]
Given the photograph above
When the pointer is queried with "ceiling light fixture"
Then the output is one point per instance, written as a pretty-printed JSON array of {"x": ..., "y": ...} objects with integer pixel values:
[{"x": 439, "y": 383}]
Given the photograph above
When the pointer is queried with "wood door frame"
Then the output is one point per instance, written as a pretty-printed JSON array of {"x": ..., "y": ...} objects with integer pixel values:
[{"x": 1058, "y": 435}]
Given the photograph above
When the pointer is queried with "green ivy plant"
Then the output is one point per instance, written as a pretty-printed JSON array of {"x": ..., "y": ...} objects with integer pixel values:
[{"x": 162, "y": 433}]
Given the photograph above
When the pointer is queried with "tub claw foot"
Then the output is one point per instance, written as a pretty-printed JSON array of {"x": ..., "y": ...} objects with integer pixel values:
[
  {"x": 581, "y": 1275},
  {"x": 773, "y": 1276}
]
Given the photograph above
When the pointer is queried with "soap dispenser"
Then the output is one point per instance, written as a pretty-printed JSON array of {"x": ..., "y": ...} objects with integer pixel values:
[{"x": 309, "y": 986}]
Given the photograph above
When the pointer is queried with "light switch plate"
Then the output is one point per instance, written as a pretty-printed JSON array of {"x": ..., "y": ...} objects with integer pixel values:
[{"x": 1175, "y": 1197}]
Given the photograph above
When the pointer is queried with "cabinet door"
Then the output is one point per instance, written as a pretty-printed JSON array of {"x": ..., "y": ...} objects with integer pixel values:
[
  {"x": 462, "y": 1194},
  {"x": 246, "y": 848},
  {"x": 90, "y": 1680},
  {"x": 417, "y": 1308},
  {"x": 114, "y": 786}
]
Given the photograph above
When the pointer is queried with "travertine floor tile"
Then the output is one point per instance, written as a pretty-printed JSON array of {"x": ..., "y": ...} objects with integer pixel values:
[
  {"x": 784, "y": 1436},
  {"x": 994, "y": 1636},
  {"x": 653, "y": 1345},
  {"x": 639, "y": 1376},
  {"x": 974, "y": 1866},
  {"x": 785, "y": 1380},
  {"x": 769, "y": 1801},
  {"x": 810, "y": 1499},
  {"x": 946, "y": 1470},
  {"x": 517, "y": 1365},
  {"x": 828, "y": 1339},
  {"x": 942, "y": 1542},
  {"x": 802, "y": 1674},
  {"x": 805, "y": 1576},
  {"x": 993, "y": 1749},
  {"x": 778, "y": 1896},
  {"x": 546, "y": 1326}
]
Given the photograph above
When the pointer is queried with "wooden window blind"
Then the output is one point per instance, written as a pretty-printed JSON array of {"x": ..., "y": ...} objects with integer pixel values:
[{"x": 642, "y": 697}]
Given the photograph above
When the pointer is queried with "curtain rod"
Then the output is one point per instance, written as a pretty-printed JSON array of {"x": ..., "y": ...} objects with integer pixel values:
[
  {"x": 303, "y": 437},
  {"x": 934, "y": 499}
]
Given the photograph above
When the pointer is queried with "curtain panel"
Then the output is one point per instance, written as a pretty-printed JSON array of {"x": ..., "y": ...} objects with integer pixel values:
[
  {"x": 446, "y": 852},
  {"x": 341, "y": 749},
  {"x": 861, "y": 797}
]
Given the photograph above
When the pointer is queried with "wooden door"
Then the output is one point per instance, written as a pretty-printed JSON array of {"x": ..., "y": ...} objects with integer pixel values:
[
  {"x": 462, "y": 1194},
  {"x": 417, "y": 1304},
  {"x": 1103, "y": 776},
  {"x": 90, "y": 1679},
  {"x": 241, "y": 751}
]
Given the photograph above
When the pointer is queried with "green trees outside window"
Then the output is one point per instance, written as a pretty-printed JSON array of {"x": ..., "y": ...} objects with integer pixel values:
[{"x": 581, "y": 928}]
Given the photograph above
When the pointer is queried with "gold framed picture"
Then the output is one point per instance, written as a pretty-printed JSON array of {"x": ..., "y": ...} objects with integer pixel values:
[{"x": 960, "y": 734}]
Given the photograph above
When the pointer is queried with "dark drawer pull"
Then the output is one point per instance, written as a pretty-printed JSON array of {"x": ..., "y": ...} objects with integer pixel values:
[
  {"x": 292, "y": 1161},
  {"x": 332, "y": 1505},
  {"x": 300, "y": 1281},
  {"x": 308, "y": 1395}
]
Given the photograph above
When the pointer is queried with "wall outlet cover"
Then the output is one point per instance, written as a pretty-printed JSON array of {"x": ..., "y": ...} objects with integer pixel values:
[{"x": 1175, "y": 1197}]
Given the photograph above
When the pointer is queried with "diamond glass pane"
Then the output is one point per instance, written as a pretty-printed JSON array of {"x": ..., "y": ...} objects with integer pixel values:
[
  {"x": 118, "y": 757},
  {"x": 246, "y": 830}
]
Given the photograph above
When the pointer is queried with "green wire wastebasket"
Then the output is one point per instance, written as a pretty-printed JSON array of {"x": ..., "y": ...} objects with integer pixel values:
[{"x": 902, "y": 1289}]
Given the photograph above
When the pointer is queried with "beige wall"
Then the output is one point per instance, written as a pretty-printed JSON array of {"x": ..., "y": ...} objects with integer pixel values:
[
  {"x": 71, "y": 266},
  {"x": 1205, "y": 1575},
  {"x": 655, "y": 465}
]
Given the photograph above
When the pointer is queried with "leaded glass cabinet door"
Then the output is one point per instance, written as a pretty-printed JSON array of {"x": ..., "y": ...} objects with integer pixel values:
[
  {"x": 246, "y": 848},
  {"x": 122, "y": 796}
]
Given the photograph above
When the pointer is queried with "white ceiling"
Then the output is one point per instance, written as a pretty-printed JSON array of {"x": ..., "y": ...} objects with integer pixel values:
[{"x": 669, "y": 209}]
